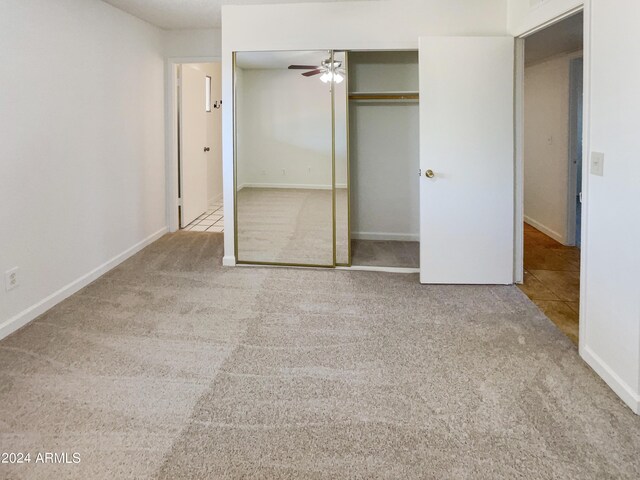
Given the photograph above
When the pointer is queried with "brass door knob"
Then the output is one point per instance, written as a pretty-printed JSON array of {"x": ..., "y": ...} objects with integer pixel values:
[{"x": 429, "y": 174}]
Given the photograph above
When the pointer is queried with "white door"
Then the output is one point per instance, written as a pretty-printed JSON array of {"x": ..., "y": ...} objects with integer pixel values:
[
  {"x": 466, "y": 140},
  {"x": 193, "y": 140}
]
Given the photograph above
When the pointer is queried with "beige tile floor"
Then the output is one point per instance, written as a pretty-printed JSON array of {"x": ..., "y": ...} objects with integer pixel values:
[
  {"x": 552, "y": 279},
  {"x": 212, "y": 221}
]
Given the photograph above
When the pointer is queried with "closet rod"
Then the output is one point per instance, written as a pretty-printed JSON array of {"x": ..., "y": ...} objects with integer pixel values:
[{"x": 384, "y": 96}]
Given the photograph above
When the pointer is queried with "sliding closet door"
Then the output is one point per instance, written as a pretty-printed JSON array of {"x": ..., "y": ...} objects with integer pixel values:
[
  {"x": 341, "y": 160},
  {"x": 284, "y": 159},
  {"x": 466, "y": 160}
]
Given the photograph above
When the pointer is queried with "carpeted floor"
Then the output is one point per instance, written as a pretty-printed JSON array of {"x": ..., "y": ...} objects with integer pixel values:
[
  {"x": 172, "y": 367},
  {"x": 385, "y": 253}
]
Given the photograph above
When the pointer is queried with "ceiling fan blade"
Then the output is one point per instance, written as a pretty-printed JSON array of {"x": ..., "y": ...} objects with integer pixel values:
[
  {"x": 312, "y": 72},
  {"x": 302, "y": 67}
]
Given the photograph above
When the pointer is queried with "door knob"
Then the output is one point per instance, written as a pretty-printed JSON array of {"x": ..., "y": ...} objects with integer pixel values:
[
  {"x": 206, "y": 149},
  {"x": 429, "y": 174}
]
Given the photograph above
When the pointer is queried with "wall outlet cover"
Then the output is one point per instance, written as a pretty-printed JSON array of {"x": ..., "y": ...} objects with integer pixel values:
[
  {"x": 597, "y": 163},
  {"x": 11, "y": 280}
]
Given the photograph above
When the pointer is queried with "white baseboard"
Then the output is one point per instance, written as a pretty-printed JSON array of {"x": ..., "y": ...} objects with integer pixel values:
[
  {"x": 406, "y": 237},
  {"x": 619, "y": 386},
  {"x": 24, "y": 317},
  {"x": 363, "y": 268},
  {"x": 229, "y": 261},
  {"x": 216, "y": 199},
  {"x": 300, "y": 186},
  {"x": 546, "y": 230}
]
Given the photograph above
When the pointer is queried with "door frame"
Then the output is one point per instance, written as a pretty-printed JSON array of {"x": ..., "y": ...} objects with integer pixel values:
[
  {"x": 172, "y": 201},
  {"x": 519, "y": 133},
  {"x": 586, "y": 148},
  {"x": 575, "y": 87}
]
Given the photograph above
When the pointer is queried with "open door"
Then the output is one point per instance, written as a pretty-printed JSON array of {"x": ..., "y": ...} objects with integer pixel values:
[
  {"x": 466, "y": 160},
  {"x": 193, "y": 141}
]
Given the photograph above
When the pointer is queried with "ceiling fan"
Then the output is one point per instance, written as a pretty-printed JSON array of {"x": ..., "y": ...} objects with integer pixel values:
[{"x": 330, "y": 72}]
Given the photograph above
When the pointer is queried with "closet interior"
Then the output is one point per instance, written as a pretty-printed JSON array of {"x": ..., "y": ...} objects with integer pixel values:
[
  {"x": 326, "y": 158},
  {"x": 384, "y": 158}
]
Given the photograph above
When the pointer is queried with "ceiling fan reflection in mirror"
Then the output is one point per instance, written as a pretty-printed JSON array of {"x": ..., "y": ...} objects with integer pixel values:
[{"x": 330, "y": 72}]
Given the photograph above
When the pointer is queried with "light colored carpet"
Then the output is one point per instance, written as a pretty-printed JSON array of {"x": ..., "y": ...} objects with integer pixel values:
[
  {"x": 172, "y": 367},
  {"x": 385, "y": 253},
  {"x": 291, "y": 225}
]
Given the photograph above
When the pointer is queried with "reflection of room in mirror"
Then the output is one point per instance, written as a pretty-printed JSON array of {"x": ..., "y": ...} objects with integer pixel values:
[
  {"x": 285, "y": 225},
  {"x": 341, "y": 145},
  {"x": 284, "y": 159}
]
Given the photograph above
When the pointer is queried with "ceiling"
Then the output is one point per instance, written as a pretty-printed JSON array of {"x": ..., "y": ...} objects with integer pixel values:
[
  {"x": 186, "y": 14},
  {"x": 563, "y": 37}
]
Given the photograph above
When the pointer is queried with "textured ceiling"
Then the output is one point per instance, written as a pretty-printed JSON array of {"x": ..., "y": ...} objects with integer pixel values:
[
  {"x": 184, "y": 14},
  {"x": 563, "y": 37}
]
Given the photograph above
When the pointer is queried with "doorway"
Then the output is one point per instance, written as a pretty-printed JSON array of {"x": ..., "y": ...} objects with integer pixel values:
[
  {"x": 553, "y": 95},
  {"x": 199, "y": 141}
]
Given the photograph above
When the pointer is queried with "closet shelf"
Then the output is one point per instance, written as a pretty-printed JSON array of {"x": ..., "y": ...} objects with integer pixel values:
[{"x": 384, "y": 96}]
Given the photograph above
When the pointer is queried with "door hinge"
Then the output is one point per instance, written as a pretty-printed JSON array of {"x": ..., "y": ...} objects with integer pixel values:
[
  {"x": 419, "y": 172},
  {"x": 179, "y": 201}
]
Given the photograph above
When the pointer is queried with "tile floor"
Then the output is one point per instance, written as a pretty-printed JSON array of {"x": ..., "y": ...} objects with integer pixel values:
[
  {"x": 212, "y": 221},
  {"x": 552, "y": 279}
]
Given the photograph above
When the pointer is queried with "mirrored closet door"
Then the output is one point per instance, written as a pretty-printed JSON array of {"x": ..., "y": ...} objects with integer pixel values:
[
  {"x": 341, "y": 150},
  {"x": 288, "y": 160}
]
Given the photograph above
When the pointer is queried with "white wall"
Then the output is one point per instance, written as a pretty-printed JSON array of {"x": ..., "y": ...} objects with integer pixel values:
[
  {"x": 287, "y": 130},
  {"x": 81, "y": 130},
  {"x": 384, "y": 171},
  {"x": 383, "y": 71},
  {"x": 354, "y": 25},
  {"x": 214, "y": 132},
  {"x": 376, "y": 25},
  {"x": 192, "y": 43},
  {"x": 610, "y": 333},
  {"x": 546, "y": 146}
]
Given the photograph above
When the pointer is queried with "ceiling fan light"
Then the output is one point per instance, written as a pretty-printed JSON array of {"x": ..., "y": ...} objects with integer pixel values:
[
  {"x": 325, "y": 77},
  {"x": 338, "y": 78}
]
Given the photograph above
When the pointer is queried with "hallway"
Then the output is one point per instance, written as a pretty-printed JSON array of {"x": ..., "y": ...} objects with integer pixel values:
[{"x": 552, "y": 279}]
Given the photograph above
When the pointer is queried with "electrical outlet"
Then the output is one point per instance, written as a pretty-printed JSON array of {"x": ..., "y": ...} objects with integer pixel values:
[
  {"x": 11, "y": 279},
  {"x": 597, "y": 163}
]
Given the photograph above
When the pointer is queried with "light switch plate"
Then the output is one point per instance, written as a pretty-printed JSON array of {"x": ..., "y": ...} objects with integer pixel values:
[{"x": 597, "y": 163}]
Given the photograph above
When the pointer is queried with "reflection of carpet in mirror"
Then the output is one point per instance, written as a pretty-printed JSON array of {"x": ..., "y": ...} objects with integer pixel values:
[{"x": 291, "y": 225}]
